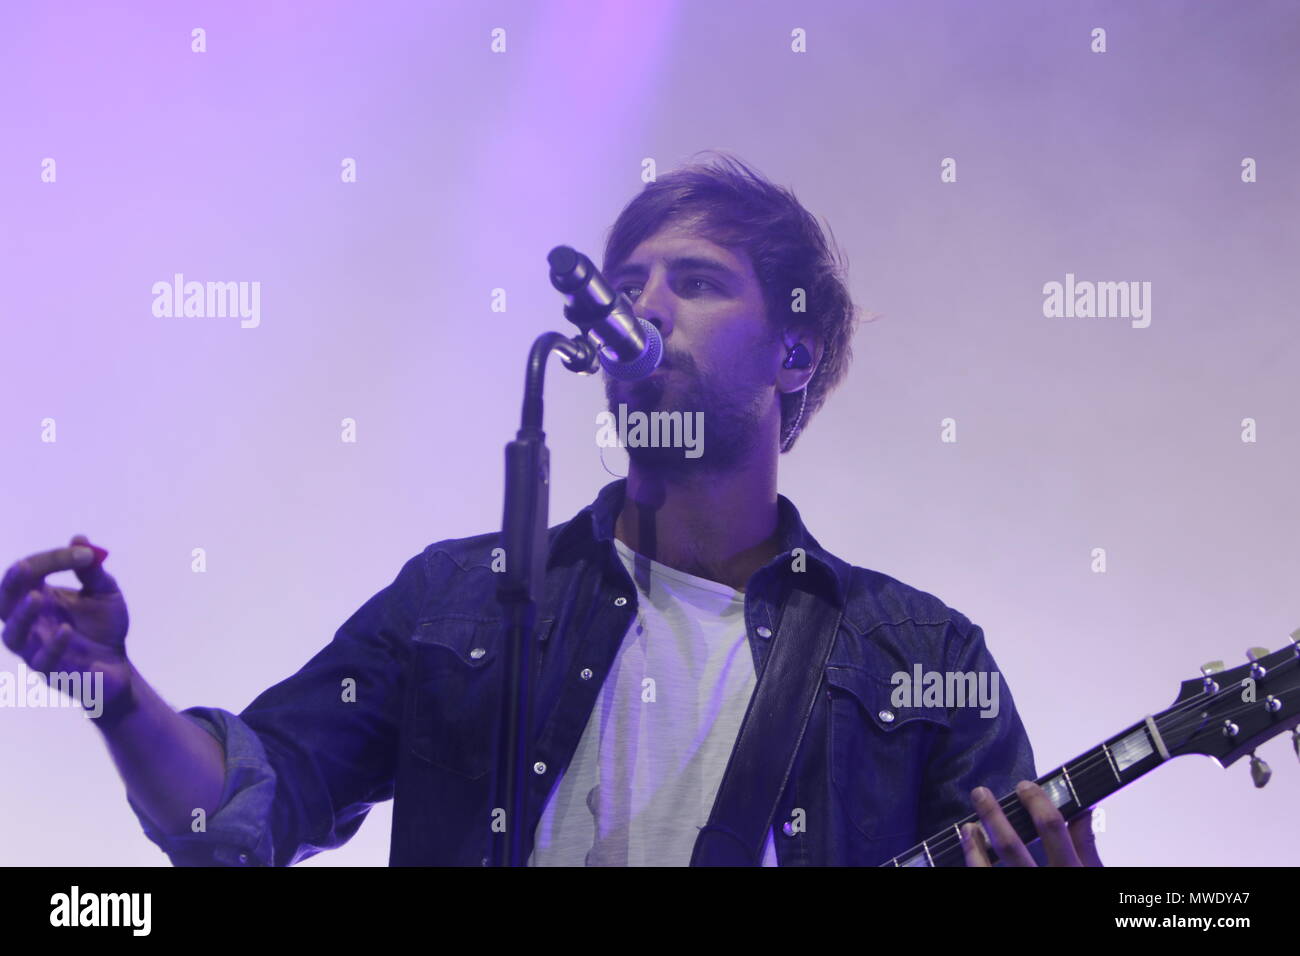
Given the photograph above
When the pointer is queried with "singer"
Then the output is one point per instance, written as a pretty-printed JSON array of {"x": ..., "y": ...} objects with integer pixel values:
[{"x": 712, "y": 687}]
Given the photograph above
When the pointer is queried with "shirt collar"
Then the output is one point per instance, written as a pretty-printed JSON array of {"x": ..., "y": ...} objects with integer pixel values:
[{"x": 596, "y": 521}]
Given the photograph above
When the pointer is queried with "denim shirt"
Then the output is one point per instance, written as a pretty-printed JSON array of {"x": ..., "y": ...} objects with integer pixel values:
[{"x": 403, "y": 704}]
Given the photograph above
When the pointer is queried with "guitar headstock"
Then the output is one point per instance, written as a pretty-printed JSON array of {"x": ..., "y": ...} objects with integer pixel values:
[{"x": 1227, "y": 713}]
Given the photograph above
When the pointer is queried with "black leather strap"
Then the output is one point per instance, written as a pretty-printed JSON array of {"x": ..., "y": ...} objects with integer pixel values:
[{"x": 770, "y": 734}]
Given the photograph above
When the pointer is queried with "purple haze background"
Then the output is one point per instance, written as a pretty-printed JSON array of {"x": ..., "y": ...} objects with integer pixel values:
[{"x": 1073, "y": 433}]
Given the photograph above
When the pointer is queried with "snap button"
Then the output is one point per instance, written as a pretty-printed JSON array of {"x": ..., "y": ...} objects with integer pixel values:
[
  {"x": 243, "y": 858},
  {"x": 886, "y": 715},
  {"x": 763, "y": 631},
  {"x": 620, "y": 601},
  {"x": 477, "y": 653},
  {"x": 788, "y": 828},
  {"x": 539, "y": 768},
  {"x": 586, "y": 673}
]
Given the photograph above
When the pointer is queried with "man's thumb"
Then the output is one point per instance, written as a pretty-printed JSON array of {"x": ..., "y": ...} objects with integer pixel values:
[{"x": 94, "y": 579}]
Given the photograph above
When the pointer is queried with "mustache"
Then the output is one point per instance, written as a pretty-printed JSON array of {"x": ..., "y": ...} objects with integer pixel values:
[
  {"x": 678, "y": 360},
  {"x": 681, "y": 362}
]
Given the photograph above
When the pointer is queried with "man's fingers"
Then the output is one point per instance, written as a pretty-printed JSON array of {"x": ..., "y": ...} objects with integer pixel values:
[
  {"x": 1049, "y": 823},
  {"x": 19, "y": 623},
  {"x": 51, "y": 653},
  {"x": 79, "y": 654},
  {"x": 1010, "y": 848},
  {"x": 29, "y": 573},
  {"x": 973, "y": 845},
  {"x": 1084, "y": 838}
]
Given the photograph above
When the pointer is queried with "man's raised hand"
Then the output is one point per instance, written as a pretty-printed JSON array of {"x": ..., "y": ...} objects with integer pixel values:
[{"x": 67, "y": 629}]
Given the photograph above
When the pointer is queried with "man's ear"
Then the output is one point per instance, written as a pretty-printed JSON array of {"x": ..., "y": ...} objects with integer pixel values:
[{"x": 793, "y": 379}]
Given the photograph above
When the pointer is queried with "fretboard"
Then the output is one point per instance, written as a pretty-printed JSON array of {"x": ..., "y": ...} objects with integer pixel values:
[{"x": 1073, "y": 788}]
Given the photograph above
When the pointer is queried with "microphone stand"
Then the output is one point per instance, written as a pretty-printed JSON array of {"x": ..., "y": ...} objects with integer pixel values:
[{"x": 527, "y": 499}]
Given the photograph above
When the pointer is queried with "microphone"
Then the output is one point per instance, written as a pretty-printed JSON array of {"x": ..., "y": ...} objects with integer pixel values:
[{"x": 629, "y": 347}]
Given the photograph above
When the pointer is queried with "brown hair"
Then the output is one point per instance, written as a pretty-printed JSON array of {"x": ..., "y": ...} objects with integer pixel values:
[{"x": 739, "y": 208}]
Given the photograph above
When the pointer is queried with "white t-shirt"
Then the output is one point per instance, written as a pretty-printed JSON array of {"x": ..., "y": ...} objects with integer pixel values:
[{"x": 647, "y": 768}]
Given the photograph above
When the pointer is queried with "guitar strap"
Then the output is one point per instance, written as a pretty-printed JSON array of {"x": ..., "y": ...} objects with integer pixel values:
[{"x": 770, "y": 734}]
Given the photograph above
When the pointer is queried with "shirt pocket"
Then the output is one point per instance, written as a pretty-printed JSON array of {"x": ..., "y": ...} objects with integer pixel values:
[
  {"x": 455, "y": 703},
  {"x": 878, "y": 752},
  {"x": 455, "y": 693}
]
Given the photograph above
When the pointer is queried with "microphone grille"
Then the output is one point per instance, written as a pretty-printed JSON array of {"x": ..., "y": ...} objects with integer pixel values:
[{"x": 642, "y": 365}]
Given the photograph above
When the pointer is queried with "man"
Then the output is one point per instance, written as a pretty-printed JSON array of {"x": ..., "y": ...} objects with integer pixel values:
[{"x": 662, "y": 604}]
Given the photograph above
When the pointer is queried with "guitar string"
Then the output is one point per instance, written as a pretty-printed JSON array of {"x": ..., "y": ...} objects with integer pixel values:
[
  {"x": 1016, "y": 812},
  {"x": 1180, "y": 717},
  {"x": 1168, "y": 724}
]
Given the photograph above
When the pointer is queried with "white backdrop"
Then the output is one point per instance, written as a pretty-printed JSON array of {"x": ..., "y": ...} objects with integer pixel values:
[{"x": 1072, "y": 433}]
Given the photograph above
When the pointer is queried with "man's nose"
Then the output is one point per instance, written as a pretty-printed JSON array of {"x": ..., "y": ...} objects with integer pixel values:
[{"x": 653, "y": 306}]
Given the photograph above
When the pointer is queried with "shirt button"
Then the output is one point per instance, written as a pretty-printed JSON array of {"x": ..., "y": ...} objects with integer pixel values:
[
  {"x": 477, "y": 653},
  {"x": 763, "y": 631},
  {"x": 619, "y": 601},
  {"x": 539, "y": 768},
  {"x": 586, "y": 673},
  {"x": 886, "y": 715}
]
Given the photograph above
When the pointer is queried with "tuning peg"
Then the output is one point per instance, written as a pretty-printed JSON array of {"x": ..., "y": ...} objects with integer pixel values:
[
  {"x": 1208, "y": 668},
  {"x": 1253, "y": 654},
  {"x": 1259, "y": 771}
]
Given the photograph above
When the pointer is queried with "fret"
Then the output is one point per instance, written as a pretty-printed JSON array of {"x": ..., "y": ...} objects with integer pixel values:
[
  {"x": 1065, "y": 772},
  {"x": 1059, "y": 790},
  {"x": 1110, "y": 760},
  {"x": 1092, "y": 776},
  {"x": 1131, "y": 749},
  {"x": 915, "y": 859},
  {"x": 1134, "y": 752},
  {"x": 946, "y": 851}
]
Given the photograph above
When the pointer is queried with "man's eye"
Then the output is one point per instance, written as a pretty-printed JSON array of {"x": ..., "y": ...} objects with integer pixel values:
[{"x": 626, "y": 290}]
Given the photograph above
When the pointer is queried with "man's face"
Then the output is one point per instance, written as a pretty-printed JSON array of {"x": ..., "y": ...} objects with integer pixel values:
[{"x": 720, "y": 353}]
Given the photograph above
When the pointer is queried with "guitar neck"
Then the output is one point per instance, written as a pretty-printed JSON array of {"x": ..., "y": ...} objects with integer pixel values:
[
  {"x": 1225, "y": 714},
  {"x": 1073, "y": 787}
]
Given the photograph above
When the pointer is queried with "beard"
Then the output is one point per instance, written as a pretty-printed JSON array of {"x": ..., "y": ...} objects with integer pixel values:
[{"x": 729, "y": 421}]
